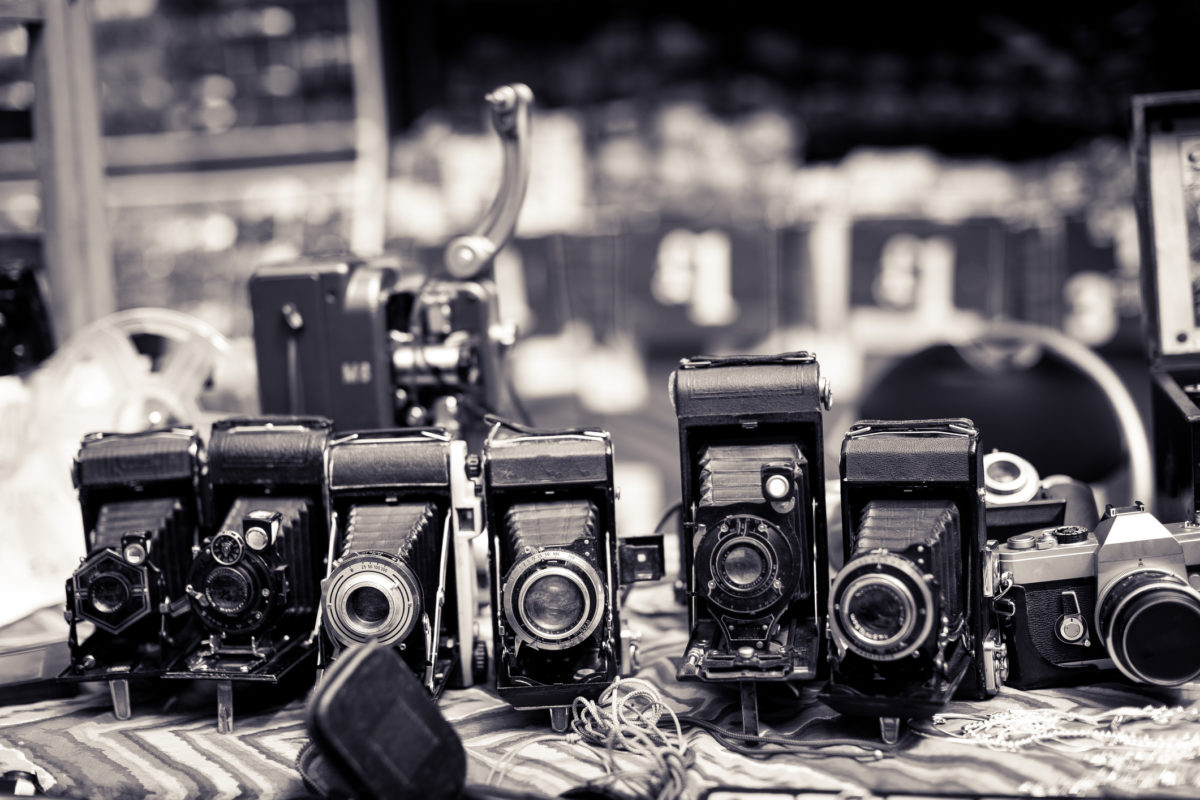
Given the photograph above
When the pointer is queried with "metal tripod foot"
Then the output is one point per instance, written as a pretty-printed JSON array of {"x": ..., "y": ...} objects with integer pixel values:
[
  {"x": 889, "y": 729},
  {"x": 119, "y": 690}
]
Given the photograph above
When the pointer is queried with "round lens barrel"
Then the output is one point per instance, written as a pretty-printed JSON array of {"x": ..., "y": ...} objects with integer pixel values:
[
  {"x": 742, "y": 565},
  {"x": 553, "y": 603},
  {"x": 879, "y": 611},
  {"x": 109, "y": 593},
  {"x": 229, "y": 590},
  {"x": 1151, "y": 622},
  {"x": 368, "y": 606}
]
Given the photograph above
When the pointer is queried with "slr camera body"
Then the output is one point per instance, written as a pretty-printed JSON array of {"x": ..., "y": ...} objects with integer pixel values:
[
  {"x": 554, "y": 568},
  {"x": 138, "y": 497},
  {"x": 753, "y": 508},
  {"x": 377, "y": 344},
  {"x": 254, "y": 583},
  {"x": 910, "y": 616},
  {"x": 403, "y": 573},
  {"x": 1086, "y": 603}
]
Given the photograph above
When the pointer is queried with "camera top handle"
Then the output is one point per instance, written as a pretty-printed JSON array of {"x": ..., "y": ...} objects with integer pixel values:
[{"x": 472, "y": 253}]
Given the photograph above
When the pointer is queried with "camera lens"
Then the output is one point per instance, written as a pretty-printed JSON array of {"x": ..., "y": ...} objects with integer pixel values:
[
  {"x": 742, "y": 565},
  {"x": 371, "y": 595},
  {"x": 881, "y": 606},
  {"x": 878, "y": 610},
  {"x": 1150, "y": 622},
  {"x": 554, "y": 603},
  {"x": 368, "y": 605},
  {"x": 228, "y": 590},
  {"x": 109, "y": 593}
]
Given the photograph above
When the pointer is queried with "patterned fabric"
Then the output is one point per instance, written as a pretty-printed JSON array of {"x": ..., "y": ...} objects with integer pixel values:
[{"x": 171, "y": 748}]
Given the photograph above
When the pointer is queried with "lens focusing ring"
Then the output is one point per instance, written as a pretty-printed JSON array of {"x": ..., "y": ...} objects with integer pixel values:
[
  {"x": 879, "y": 582},
  {"x": 546, "y": 564},
  {"x": 365, "y": 571},
  {"x": 897, "y": 574},
  {"x": 1129, "y": 605}
]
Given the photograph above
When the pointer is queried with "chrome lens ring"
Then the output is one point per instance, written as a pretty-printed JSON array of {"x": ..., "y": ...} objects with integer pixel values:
[
  {"x": 1122, "y": 613},
  {"x": 578, "y": 573},
  {"x": 371, "y": 576},
  {"x": 884, "y": 569}
]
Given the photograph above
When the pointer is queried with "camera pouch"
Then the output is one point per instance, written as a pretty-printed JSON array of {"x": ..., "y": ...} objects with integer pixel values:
[{"x": 376, "y": 733}]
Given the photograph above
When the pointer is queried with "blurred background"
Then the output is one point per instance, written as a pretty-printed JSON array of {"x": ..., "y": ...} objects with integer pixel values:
[{"x": 865, "y": 183}]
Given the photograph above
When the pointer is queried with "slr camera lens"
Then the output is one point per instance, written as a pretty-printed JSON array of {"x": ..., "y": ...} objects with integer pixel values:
[{"x": 1150, "y": 623}]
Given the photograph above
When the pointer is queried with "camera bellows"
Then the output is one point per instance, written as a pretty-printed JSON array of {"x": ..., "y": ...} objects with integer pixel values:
[
  {"x": 733, "y": 473},
  {"x": 395, "y": 529},
  {"x": 169, "y": 529},
  {"x": 895, "y": 525},
  {"x": 532, "y": 526}
]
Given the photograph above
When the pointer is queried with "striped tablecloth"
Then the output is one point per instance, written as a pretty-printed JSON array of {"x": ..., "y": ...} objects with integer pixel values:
[{"x": 171, "y": 747}]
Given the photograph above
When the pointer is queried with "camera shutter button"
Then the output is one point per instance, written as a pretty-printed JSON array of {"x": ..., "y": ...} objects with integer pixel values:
[
  {"x": 1046, "y": 541},
  {"x": 1022, "y": 541}
]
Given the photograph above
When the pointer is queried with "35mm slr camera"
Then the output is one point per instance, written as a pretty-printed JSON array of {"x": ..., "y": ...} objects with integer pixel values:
[
  {"x": 1085, "y": 602},
  {"x": 138, "y": 496},
  {"x": 910, "y": 614},
  {"x": 254, "y": 583},
  {"x": 750, "y": 442},
  {"x": 404, "y": 575},
  {"x": 555, "y": 567}
]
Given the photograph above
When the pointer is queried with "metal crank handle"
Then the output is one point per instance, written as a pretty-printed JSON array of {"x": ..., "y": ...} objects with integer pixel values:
[{"x": 469, "y": 255}]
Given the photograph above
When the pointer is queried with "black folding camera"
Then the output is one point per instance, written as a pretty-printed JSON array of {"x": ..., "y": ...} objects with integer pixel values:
[
  {"x": 1166, "y": 149},
  {"x": 555, "y": 567},
  {"x": 1084, "y": 602},
  {"x": 1018, "y": 500},
  {"x": 753, "y": 510},
  {"x": 404, "y": 576},
  {"x": 138, "y": 495},
  {"x": 254, "y": 583},
  {"x": 385, "y": 343},
  {"x": 910, "y": 615}
]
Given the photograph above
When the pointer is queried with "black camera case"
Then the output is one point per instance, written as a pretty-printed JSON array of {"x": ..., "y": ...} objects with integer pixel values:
[
  {"x": 755, "y": 564},
  {"x": 914, "y": 490},
  {"x": 138, "y": 495},
  {"x": 554, "y": 566},
  {"x": 394, "y": 574},
  {"x": 269, "y": 473}
]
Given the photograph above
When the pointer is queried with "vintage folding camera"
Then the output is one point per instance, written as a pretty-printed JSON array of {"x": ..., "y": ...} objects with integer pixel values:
[
  {"x": 752, "y": 463},
  {"x": 1166, "y": 148},
  {"x": 405, "y": 512},
  {"x": 1083, "y": 603},
  {"x": 254, "y": 581},
  {"x": 1018, "y": 500},
  {"x": 556, "y": 567},
  {"x": 138, "y": 493},
  {"x": 910, "y": 611},
  {"x": 387, "y": 343}
]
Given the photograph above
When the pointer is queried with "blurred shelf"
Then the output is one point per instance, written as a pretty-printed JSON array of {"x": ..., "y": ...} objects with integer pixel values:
[
  {"x": 187, "y": 151},
  {"x": 21, "y": 11}
]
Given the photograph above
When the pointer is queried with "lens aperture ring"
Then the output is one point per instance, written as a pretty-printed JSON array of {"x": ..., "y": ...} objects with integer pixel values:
[
  {"x": 553, "y": 599},
  {"x": 881, "y": 607},
  {"x": 1149, "y": 621},
  {"x": 371, "y": 595}
]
